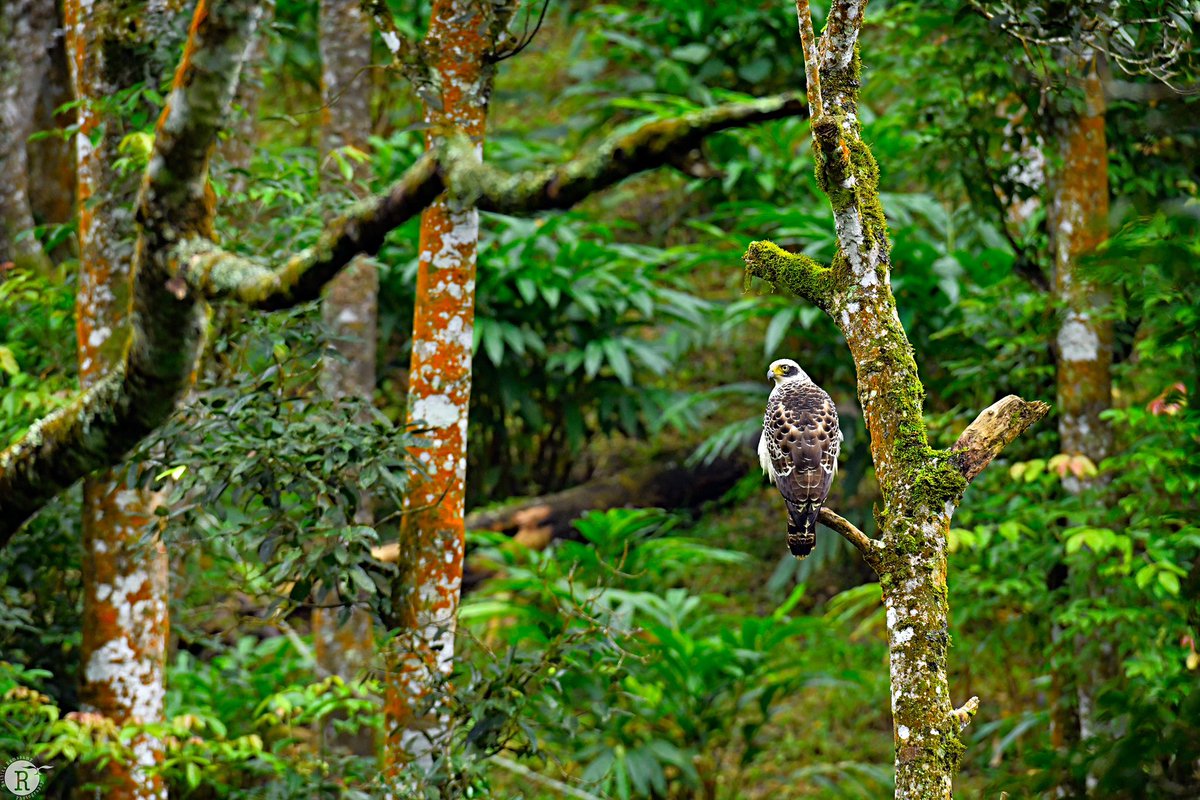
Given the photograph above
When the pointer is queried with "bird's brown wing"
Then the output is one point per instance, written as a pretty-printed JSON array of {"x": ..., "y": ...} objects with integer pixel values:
[{"x": 803, "y": 443}]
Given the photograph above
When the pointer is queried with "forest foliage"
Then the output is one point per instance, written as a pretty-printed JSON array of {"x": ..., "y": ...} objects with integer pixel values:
[{"x": 658, "y": 653}]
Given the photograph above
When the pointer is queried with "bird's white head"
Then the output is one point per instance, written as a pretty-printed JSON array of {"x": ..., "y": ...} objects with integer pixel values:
[{"x": 786, "y": 371}]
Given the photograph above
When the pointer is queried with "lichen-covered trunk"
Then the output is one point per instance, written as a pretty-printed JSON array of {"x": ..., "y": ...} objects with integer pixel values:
[
  {"x": 919, "y": 486},
  {"x": 927, "y": 741},
  {"x": 51, "y": 188},
  {"x": 350, "y": 312},
  {"x": 26, "y": 28},
  {"x": 1078, "y": 226},
  {"x": 439, "y": 391},
  {"x": 125, "y": 623},
  {"x": 1078, "y": 223}
]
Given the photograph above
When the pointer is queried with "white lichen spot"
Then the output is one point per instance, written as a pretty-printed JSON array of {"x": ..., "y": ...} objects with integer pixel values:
[
  {"x": 905, "y": 636},
  {"x": 1077, "y": 341},
  {"x": 436, "y": 411},
  {"x": 903, "y": 732},
  {"x": 462, "y": 236},
  {"x": 99, "y": 336},
  {"x": 391, "y": 40},
  {"x": 891, "y": 618}
]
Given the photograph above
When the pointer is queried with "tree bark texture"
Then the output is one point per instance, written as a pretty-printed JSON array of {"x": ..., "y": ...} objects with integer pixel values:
[
  {"x": 439, "y": 393},
  {"x": 26, "y": 38},
  {"x": 346, "y": 647},
  {"x": 920, "y": 486},
  {"x": 125, "y": 622},
  {"x": 1078, "y": 222},
  {"x": 1078, "y": 225}
]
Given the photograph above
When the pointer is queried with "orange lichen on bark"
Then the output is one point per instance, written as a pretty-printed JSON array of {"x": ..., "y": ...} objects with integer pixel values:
[
  {"x": 431, "y": 540},
  {"x": 125, "y": 623}
]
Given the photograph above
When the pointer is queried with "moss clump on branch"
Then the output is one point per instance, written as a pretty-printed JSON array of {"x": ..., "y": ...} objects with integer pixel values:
[{"x": 802, "y": 276}]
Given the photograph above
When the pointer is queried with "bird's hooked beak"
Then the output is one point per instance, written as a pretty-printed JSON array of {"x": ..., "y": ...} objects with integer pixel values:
[{"x": 772, "y": 374}]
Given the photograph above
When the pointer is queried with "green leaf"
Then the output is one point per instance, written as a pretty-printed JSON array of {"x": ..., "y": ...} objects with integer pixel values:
[
  {"x": 694, "y": 53},
  {"x": 777, "y": 329},
  {"x": 192, "y": 774},
  {"x": 618, "y": 360},
  {"x": 8, "y": 361}
]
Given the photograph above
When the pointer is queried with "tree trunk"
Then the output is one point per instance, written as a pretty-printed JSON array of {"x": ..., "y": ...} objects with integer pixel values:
[
  {"x": 52, "y": 159},
  {"x": 1078, "y": 222},
  {"x": 346, "y": 648},
  {"x": 439, "y": 391},
  {"x": 920, "y": 486},
  {"x": 1078, "y": 226},
  {"x": 26, "y": 29},
  {"x": 125, "y": 624}
]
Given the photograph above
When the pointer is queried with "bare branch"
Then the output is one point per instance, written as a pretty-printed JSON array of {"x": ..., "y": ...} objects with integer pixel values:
[
  {"x": 992, "y": 430},
  {"x": 812, "y": 61},
  {"x": 871, "y": 549},
  {"x": 962, "y": 715}
]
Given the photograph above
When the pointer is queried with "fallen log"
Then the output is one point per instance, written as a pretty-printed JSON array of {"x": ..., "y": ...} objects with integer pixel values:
[{"x": 670, "y": 482}]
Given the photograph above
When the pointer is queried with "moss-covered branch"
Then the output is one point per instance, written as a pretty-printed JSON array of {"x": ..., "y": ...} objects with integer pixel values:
[
  {"x": 219, "y": 275},
  {"x": 795, "y": 272},
  {"x": 455, "y": 167},
  {"x": 992, "y": 431},
  {"x": 108, "y": 420},
  {"x": 650, "y": 146}
]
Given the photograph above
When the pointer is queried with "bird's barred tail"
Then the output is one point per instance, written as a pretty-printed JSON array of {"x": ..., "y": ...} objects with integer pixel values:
[{"x": 802, "y": 528}]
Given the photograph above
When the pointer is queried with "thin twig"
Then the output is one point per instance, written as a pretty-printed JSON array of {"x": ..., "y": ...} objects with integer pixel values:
[
  {"x": 870, "y": 548},
  {"x": 812, "y": 70},
  {"x": 526, "y": 36}
]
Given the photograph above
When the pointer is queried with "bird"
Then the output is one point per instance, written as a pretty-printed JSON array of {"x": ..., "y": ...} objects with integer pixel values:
[{"x": 799, "y": 449}]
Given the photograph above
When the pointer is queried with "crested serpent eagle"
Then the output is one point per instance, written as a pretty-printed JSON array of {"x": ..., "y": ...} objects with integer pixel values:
[{"x": 799, "y": 449}]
